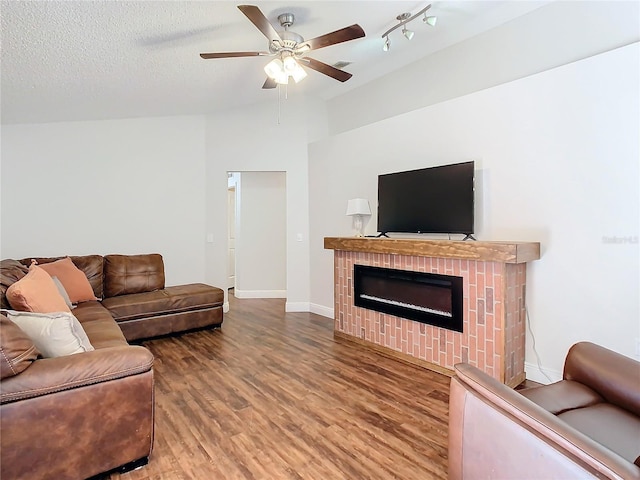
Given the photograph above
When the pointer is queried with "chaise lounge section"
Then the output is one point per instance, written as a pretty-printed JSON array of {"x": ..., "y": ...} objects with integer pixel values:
[{"x": 132, "y": 288}]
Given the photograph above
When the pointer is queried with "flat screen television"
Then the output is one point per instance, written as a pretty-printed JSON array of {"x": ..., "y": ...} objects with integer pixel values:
[{"x": 430, "y": 200}]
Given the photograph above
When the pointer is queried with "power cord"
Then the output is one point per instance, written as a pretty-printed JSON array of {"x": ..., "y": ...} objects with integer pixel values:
[{"x": 533, "y": 338}]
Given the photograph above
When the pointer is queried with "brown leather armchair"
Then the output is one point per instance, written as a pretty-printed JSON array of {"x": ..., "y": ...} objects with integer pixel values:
[{"x": 585, "y": 426}]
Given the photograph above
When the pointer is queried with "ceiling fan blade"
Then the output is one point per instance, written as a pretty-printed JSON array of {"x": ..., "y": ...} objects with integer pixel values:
[
  {"x": 234, "y": 54},
  {"x": 269, "y": 83},
  {"x": 256, "y": 16},
  {"x": 321, "y": 67},
  {"x": 343, "y": 35}
]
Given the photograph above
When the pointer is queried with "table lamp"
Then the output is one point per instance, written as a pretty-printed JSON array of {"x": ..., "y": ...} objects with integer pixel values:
[{"x": 357, "y": 207}]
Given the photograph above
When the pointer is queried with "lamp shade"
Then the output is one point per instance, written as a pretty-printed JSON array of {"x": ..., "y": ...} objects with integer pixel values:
[
  {"x": 275, "y": 70},
  {"x": 297, "y": 73},
  {"x": 358, "y": 206}
]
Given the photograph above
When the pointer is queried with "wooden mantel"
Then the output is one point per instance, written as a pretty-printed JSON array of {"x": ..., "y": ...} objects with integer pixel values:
[{"x": 504, "y": 252}]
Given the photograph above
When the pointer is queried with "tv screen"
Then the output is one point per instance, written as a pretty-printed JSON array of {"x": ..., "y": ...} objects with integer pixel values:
[{"x": 429, "y": 200}]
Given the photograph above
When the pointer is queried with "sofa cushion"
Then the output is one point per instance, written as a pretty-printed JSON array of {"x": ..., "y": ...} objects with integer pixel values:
[
  {"x": 130, "y": 274},
  {"x": 562, "y": 396},
  {"x": 75, "y": 282},
  {"x": 10, "y": 272},
  {"x": 54, "y": 334},
  {"x": 90, "y": 265},
  {"x": 99, "y": 325},
  {"x": 17, "y": 351},
  {"x": 611, "y": 374},
  {"x": 36, "y": 292},
  {"x": 170, "y": 300},
  {"x": 612, "y": 426}
]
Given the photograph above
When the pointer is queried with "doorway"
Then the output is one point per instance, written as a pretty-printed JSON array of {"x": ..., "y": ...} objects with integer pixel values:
[{"x": 257, "y": 234}]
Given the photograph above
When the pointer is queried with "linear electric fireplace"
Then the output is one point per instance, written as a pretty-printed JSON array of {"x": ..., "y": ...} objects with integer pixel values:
[{"x": 424, "y": 297}]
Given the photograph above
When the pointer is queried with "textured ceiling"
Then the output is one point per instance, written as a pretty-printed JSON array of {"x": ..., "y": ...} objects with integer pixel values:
[{"x": 83, "y": 60}]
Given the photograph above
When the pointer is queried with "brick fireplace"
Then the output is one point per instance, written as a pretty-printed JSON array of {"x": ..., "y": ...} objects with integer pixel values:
[{"x": 493, "y": 290}]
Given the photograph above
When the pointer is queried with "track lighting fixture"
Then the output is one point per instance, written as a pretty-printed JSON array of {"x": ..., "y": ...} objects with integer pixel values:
[{"x": 403, "y": 19}]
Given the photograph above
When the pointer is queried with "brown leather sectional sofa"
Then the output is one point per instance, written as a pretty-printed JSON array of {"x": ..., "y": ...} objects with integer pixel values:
[
  {"x": 75, "y": 416},
  {"x": 585, "y": 426}
]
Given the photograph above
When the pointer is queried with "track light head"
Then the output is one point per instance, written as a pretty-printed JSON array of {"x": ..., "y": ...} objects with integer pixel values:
[
  {"x": 387, "y": 44},
  {"x": 407, "y": 33},
  {"x": 430, "y": 20}
]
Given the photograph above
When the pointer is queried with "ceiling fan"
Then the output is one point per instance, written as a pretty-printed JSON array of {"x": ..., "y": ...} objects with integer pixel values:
[{"x": 290, "y": 49}]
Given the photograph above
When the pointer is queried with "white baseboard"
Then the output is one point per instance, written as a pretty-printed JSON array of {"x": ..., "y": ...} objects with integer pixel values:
[
  {"x": 541, "y": 375},
  {"x": 322, "y": 310},
  {"x": 259, "y": 293},
  {"x": 296, "y": 307},
  {"x": 309, "y": 307},
  {"x": 225, "y": 307}
]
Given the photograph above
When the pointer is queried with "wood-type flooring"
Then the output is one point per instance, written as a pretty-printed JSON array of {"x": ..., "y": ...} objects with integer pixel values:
[{"x": 272, "y": 395}]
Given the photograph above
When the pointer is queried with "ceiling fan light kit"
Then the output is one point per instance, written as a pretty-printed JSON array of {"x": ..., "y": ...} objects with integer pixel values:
[
  {"x": 403, "y": 19},
  {"x": 290, "y": 49},
  {"x": 280, "y": 70}
]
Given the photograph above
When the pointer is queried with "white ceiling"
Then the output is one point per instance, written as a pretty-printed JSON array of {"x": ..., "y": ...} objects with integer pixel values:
[{"x": 84, "y": 60}]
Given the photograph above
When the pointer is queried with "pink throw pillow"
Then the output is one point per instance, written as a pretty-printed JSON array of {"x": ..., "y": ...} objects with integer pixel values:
[
  {"x": 74, "y": 281},
  {"x": 36, "y": 292}
]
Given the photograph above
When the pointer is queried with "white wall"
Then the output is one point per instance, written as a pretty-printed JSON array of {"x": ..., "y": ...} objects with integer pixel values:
[
  {"x": 155, "y": 185},
  {"x": 550, "y": 36},
  {"x": 557, "y": 155},
  {"x": 252, "y": 139},
  {"x": 261, "y": 235},
  {"x": 118, "y": 186}
]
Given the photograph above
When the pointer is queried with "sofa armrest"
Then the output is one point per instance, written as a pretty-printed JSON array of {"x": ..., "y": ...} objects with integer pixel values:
[
  {"x": 49, "y": 375},
  {"x": 494, "y": 432},
  {"x": 612, "y": 375}
]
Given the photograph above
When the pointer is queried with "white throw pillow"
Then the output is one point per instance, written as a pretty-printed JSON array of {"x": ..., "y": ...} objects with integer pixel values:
[{"x": 54, "y": 334}]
